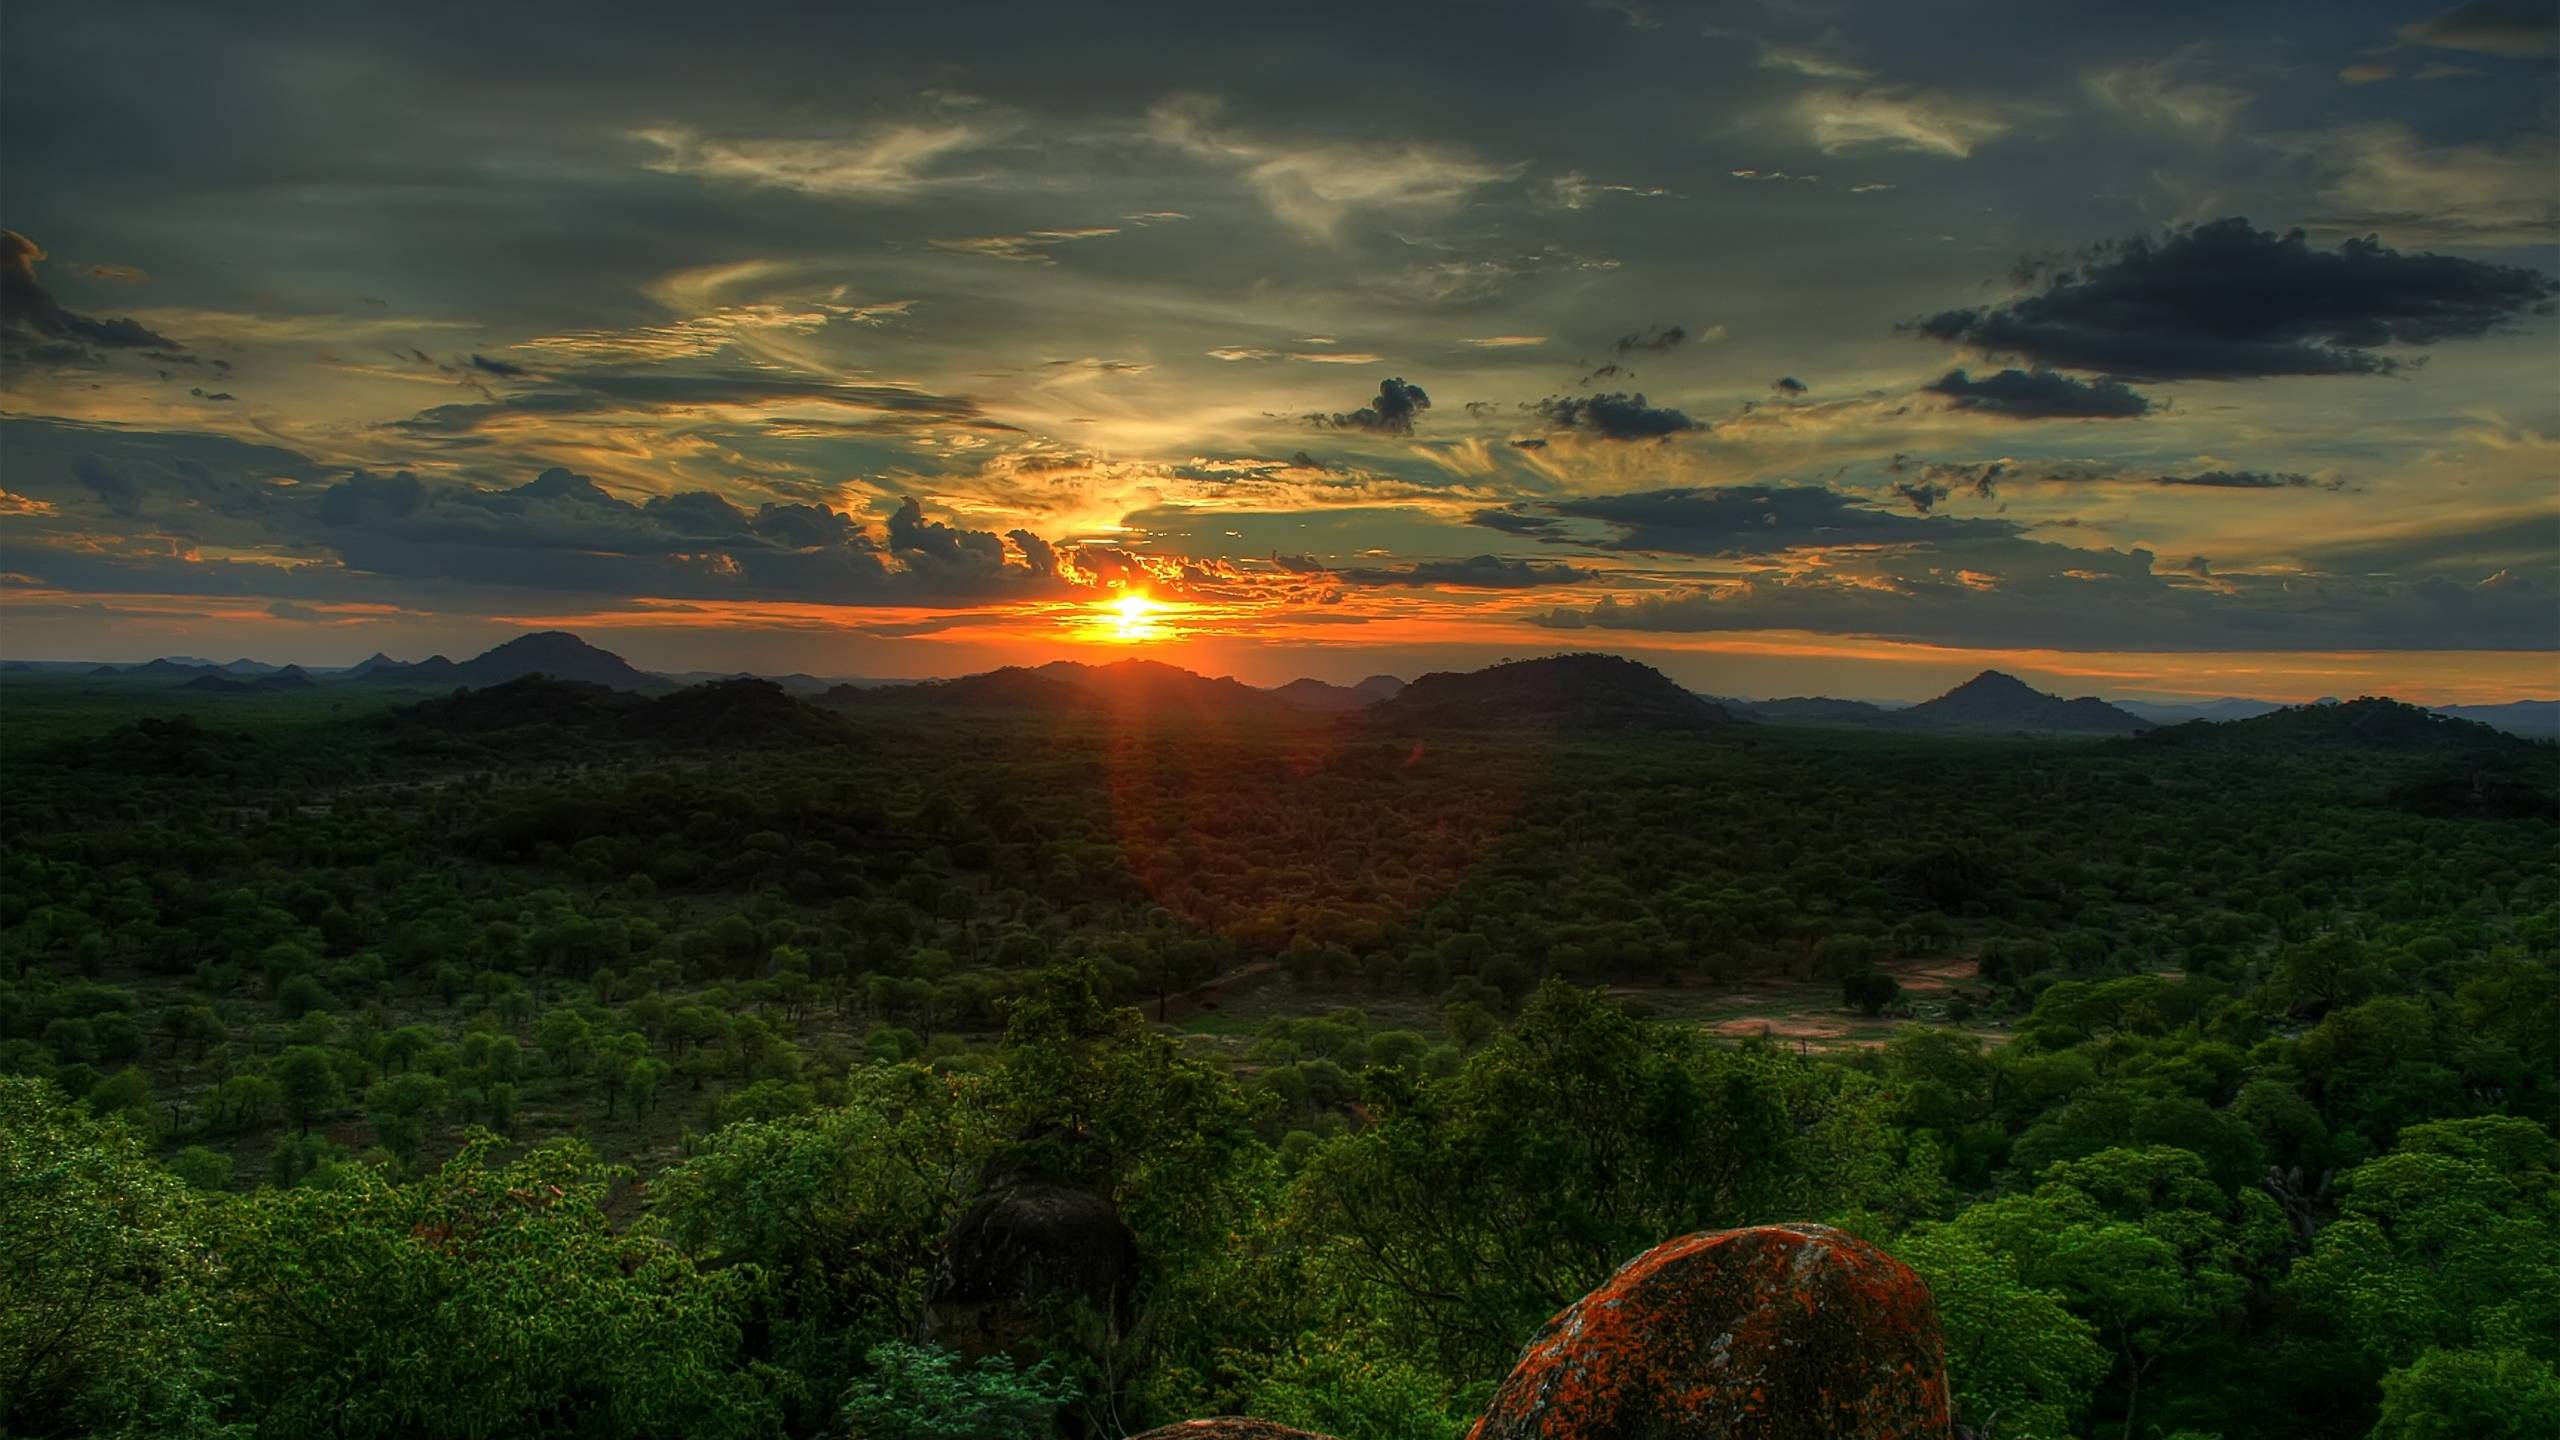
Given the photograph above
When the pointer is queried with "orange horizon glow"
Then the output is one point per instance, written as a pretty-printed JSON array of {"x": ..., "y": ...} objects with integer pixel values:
[{"x": 1270, "y": 645}]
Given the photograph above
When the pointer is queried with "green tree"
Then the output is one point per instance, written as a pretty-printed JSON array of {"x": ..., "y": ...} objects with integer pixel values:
[
  {"x": 484, "y": 1300},
  {"x": 2462, "y": 1394},
  {"x": 916, "y": 1392},
  {"x": 105, "y": 1281},
  {"x": 308, "y": 1077}
]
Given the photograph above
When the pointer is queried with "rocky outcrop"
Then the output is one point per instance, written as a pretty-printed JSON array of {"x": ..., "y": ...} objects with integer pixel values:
[
  {"x": 1778, "y": 1332},
  {"x": 1230, "y": 1428},
  {"x": 1034, "y": 1265}
]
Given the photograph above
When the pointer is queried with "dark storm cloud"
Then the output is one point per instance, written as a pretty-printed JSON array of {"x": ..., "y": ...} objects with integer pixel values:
[
  {"x": 1478, "y": 572},
  {"x": 37, "y": 326},
  {"x": 1614, "y": 416},
  {"x": 1789, "y": 385},
  {"x": 1725, "y": 522},
  {"x": 1921, "y": 495},
  {"x": 2023, "y": 593},
  {"x": 2040, "y": 395},
  {"x": 1653, "y": 338},
  {"x": 501, "y": 368},
  {"x": 2227, "y": 301},
  {"x": 2528, "y": 28},
  {"x": 1392, "y": 413}
]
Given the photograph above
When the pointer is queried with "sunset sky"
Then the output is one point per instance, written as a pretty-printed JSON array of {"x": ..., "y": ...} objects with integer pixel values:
[{"x": 2169, "y": 349}]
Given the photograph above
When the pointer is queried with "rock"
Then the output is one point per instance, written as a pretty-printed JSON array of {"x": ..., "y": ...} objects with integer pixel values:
[
  {"x": 1230, "y": 1428},
  {"x": 1779, "y": 1332},
  {"x": 1034, "y": 1263}
]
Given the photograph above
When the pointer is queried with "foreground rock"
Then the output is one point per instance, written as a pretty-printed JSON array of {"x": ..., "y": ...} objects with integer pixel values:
[
  {"x": 1230, "y": 1428},
  {"x": 1788, "y": 1332}
]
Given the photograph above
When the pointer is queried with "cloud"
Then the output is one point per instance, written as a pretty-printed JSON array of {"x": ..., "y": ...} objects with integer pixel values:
[
  {"x": 2227, "y": 301},
  {"x": 1737, "y": 521},
  {"x": 589, "y": 393},
  {"x": 2527, "y": 29},
  {"x": 1504, "y": 342},
  {"x": 1479, "y": 572},
  {"x": 2381, "y": 178},
  {"x": 1398, "y": 405},
  {"x": 2365, "y": 72},
  {"x": 2246, "y": 480},
  {"x": 1653, "y": 338},
  {"x": 1789, "y": 385},
  {"x": 1613, "y": 417},
  {"x": 1804, "y": 60},
  {"x": 503, "y": 369},
  {"x": 2039, "y": 395},
  {"x": 1926, "y": 122},
  {"x": 35, "y": 325},
  {"x": 889, "y": 162},
  {"x": 115, "y": 489},
  {"x": 1028, "y": 247},
  {"x": 2019, "y": 594},
  {"x": 2164, "y": 93},
  {"x": 1314, "y": 187}
]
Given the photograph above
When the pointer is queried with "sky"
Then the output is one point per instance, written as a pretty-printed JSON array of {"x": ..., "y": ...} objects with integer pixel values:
[{"x": 1795, "y": 347}]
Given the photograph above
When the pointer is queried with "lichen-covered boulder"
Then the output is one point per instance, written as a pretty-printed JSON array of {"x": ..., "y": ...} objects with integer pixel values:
[
  {"x": 1778, "y": 1332},
  {"x": 1034, "y": 1265},
  {"x": 1230, "y": 1428}
]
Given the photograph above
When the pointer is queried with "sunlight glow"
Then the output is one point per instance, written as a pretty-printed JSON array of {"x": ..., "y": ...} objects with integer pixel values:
[{"x": 1131, "y": 617}]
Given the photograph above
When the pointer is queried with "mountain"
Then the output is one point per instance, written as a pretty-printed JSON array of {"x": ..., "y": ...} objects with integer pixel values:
[
  {"x": 290, "y": 678},
  {"x": 1580, "y": 693},
  {"x": 2534, "y": 719},
  {"x": 2367, "y": 724},
  {"x": 168, "y": 666},
  {"x": 1318, "y": 696},
  {"x": 795, "y": 683},
  {"x": 1385, "y": 687},
  {"x": 2004, "y": 704},
  {"x": 1011, "y": 688},
  {"x": 725, "y": 714},
  {"x": 1154, "y": 687},
  {"x": 2229, "y": 708},
  {"x": 1822, "y": 710},
  {"x": 246, "y": 666},
  {"x": 555, "y": 653}
]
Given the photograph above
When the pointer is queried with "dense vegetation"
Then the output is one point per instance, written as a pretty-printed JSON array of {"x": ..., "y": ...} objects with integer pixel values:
[{"x": 551, "y": 1060}]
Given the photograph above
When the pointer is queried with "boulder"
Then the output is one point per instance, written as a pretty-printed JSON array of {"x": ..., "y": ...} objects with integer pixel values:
[
  {"x": 1777, "y": 1332},
  {"x": 1230, "y": 1428},
  {"x": 1034, "y": 1264}
]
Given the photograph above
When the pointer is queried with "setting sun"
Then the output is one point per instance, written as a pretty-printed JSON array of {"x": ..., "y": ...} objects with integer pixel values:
[{"x": 1132, "y": 616}]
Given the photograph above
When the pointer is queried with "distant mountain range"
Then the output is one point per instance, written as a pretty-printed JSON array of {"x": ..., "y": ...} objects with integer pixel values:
[{"x": 1557, "y": 691}]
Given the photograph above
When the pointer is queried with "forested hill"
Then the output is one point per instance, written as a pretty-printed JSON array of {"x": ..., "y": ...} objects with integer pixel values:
[{"x": 549, "y": 1058}]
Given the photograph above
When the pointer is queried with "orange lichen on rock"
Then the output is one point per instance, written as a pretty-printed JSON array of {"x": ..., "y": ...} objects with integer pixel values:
[
  {"x": 1230, "y": 1428},
  {"x": 1793, "y": 1331}
]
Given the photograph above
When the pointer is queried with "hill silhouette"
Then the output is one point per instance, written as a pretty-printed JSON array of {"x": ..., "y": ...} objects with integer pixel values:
[
  {"x": 1578, "y": 692},
  {"x": 555, "y": 653},
  {"x": 724, "y": 713},
  {"x": 1992, "y": 701},
  {"x": 1321, "y": 697}
]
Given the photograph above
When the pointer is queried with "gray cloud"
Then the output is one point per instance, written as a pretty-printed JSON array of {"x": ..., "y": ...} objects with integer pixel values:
[
  {"x": 2524, "y": 28},
  {"x": 1476, "y": 572},
  {"x": 35, "y": 326},
  {"x": 1733, "y": 521},
  {"x": 2026, "y": 594},
  {"x": 2040, "y": 395},
  {"x": 1392, "y": 413},
  {"x": 1613, "y": 417},
  {"x": 2227, "y": 301},
  {"x": 1653, "y": 338}
]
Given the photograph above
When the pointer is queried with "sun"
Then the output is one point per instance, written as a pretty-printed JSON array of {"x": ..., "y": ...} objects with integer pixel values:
[{"x": 1131, "y": 616}]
